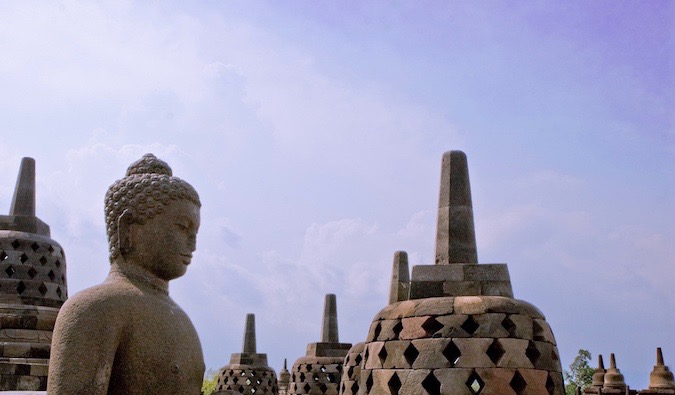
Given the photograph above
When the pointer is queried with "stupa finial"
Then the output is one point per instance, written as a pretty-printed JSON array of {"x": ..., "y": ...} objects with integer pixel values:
[
  {"x": 329, "y": 333},
  {"x": 249, "y": 335},
  {"x": 455, "y": 234},
  {"x": 23, "y": 202},
  {"x": 400, "y": 278}
]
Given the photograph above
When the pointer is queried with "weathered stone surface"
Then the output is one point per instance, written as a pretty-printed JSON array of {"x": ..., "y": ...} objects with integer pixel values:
[
  {"x": 431, "y": 354},
  {"x": 453, "y": 381},
  {"x": 542, "y": 331},
  {"x": 400, "y": 278},
  {"x": 486, "y": 272},
  {"x": 124, "y": 334},
  {"x": 435, "y": 306},
  {"x": 473, "y": 352},
  {"x": 490, "y": 325},
  {"x": 438, "y": 272},
  {"x": 412, "y": 328},
  {"x": 497, "y": 381},
  {"x": 461, "y": 288},
  {"x": 496, "y": 288},
  {"x": 495, "y": 304},
  {"x": 329, "y": 333},
  {"x": 514, "y": 354},
  {"x": 425, "y": 289}
]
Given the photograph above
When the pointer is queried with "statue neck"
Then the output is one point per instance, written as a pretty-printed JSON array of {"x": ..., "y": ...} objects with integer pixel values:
[{"x": 140, "y": 275}]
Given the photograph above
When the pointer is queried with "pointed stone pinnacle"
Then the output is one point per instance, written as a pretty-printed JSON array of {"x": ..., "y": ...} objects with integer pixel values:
[
  {"x": 659, "y": 357},
  {"x": 400, "y": 278},
  {"x": 23, "y": 202},
  {"x": 601, "y": 364},
  {"x": 249, "y": 335},
  {"x": 329, "y": 333},
  {"x": 612, "y": 361},
  {"x": 455, "y": 234},
  {"x": 285, "y": 365}
]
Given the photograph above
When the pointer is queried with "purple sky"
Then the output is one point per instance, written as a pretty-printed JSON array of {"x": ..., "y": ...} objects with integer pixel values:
[{"x": 313, "y": 132}]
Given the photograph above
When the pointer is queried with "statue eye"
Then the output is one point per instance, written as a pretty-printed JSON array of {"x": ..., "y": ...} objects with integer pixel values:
[{"x": 181, "y": 226}]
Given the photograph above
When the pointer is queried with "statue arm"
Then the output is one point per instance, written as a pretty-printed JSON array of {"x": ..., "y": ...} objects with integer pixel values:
[{"x": 86, "y": 336}]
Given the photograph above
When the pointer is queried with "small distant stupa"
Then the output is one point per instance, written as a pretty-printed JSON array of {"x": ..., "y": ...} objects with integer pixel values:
[
  {"x": 248, "y": 372},
  {"x": 319, "y": 372},
  {"x": 32, "y": 289}
]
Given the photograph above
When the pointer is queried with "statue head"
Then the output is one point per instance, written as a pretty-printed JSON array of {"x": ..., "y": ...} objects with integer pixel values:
[{"x": 147, "y": 191}]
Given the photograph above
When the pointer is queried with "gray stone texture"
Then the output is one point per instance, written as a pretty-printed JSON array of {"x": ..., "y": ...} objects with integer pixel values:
[
  {"x": 32, "y": 289},
  {"x": 400, "y": 278},
  {"x": 455, "y": 235},
  {"x": 126, "y": 335}
]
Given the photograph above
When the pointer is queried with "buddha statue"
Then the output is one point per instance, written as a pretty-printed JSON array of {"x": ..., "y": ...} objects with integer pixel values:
[{"x": 126, "y": 335}]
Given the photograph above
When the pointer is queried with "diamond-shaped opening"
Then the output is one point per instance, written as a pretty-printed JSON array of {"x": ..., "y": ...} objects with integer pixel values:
[
  {"x": 397, "y": 329},
  {"x": 475, "y": 383},
  {"x": 322, "y": 369},
  {"x": 382, "y": 354},
  {"x": 32, "y": 272},
  {"x": 57, "y": 263},
  {"x": 253, "y": 390},
  {"x": 518, "y": 383},
  {"x": 331, "y": 378},
  {"x": 235, "y": 380},
  {"x": 339, "y": 368},
  {"x": 394, "y": 384},
  {"x": 16, "y": 244},
  {"x": 411, "y": 354},
  {"x": 23, "y": 258},
  {"x": 10, "y": 271},
  {"x": 51, "y": 275},
  {"x": 342, "y": 388},
  {"x": 241, "y": 389},
  {"x": 431, "y": 326},
  {"x": 43, "y": 260},
  {"x": 323, "y": 387},
  {"x": 307, "y": 388},
  {"x": 58, "y": 291},
  {"x": 369, "y": 383},
  {"x": 358, "y": 359},
  {"x": 537, "y": 331},
  {"x": 355, "y": 388},
  {"x": 376, "y": 332},
  {"x": 43, "y": 289},
  {"x": 258, "y": 381},
  {"x": 21, "y": 287},
  {"x": 302, "y": 377},
  {"x": 509, "y": 326},
  {"x": 550, "y": 385},
  {"x": 308, "y": 367},
  {"x": 532, "y": 353},
  {"x": 35, "y": 246},
  {"x": 242, "y": 373},
  {"x": 248, "y": 381},
  {"x": 495, "y": 352},
  {"x": 554, "y": 355},
  {"x": 315, "y": 377},
  {"x": 350, "y": 371},
  {"x": 50, "y": 249},
  {"x": 252, "y": 373},
  {"x": 452, "y": 353},
  {"x": 470, "y": 325},
  {"x": 3, "y": 256},
  {"x": 431, "y": 384}
]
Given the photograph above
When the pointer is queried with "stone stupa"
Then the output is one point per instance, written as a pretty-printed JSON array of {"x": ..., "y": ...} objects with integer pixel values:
[
  {"x": 319, "y": 372},
  {"x": 32, "y": 289},
  {"x": 248, "y": 372},
  {"x": 460, "y": 331},
  {"x": 661, "y": 380}
]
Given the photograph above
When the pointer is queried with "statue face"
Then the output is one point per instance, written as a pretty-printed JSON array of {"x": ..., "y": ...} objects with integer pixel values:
[{"x": 164, "y": 243}]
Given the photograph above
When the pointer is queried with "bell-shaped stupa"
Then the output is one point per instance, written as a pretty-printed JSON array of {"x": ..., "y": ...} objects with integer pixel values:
[
  {"x": 661, "y": 380},
  {"x": 319, "y": 372},
  {"x": 460, "y": 331},
  {"x": 284, "y": 379},
  {"x": 248, "y": 372},
  {"x": 32, "y": 289}
]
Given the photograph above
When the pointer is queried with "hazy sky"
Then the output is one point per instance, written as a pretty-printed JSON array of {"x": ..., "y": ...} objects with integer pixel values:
[{"x": 314, "y": 130}]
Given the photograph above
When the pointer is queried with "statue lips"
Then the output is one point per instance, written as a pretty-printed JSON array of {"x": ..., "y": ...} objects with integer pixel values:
[{"x": 187, "y": 258}]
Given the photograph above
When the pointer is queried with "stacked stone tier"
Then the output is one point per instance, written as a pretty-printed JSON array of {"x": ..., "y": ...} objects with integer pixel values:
[
  {"x": 351, "y": 372},
  {"x": 32, "y": 270},
  {"x": 461, "y": 345},
  {"x": 316, "y": 375},
  {"x": 247, "y": 379}
]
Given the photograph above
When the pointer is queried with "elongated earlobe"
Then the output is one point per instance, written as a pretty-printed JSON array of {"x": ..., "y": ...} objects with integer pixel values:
[{"x": 124, "y": 232}]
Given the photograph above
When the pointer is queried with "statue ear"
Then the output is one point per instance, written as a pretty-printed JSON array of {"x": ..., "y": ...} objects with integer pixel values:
[{"x": 124, "y": 232}]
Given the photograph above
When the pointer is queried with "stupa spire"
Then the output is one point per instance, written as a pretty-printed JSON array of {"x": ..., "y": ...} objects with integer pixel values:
[
  {"x": 249, "y": 335},
  {"x": 400, "y": 278},
  {"x": 455, "y": 234},
  {"x": 23, "y": 202},
  {"x": 329, "y": 332}
]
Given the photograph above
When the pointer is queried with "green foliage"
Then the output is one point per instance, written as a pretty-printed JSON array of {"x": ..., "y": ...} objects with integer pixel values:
[
  {"x": 580, "y": 373},
  {"x": 210, "y": 381}
]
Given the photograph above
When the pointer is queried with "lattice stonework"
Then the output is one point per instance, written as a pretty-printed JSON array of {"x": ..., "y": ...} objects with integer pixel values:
[
  {"x": 316, "y": 376},
  {"x": 462, "y": 345},
  {"x": 247, "y": 380},
  {"x": 351, "y": 372}
]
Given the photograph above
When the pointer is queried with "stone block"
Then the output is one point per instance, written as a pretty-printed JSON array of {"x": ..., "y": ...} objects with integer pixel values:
[
  {"x": 396, "y": 357},
  {"x": 542, "y": 331},
  {"x": 494, "y": 304},
  {"x": 461, "y": 288},
  {"x": 372, "y": 361},
  {"x": 16, "y": 350},
  {"x": 381, "y": 379},
  {"x": 490, "y": 325},
  {"x": 548, "y": 359},
  {"x": 413, "y": 383},
  {"x": 522, "y": 326},
  {"x": 425, "y": 289},
  {"x": 403, "y": 309},
  {"x": 390, "y": 329},
  {"x": 452, "y": 325},
  {"x": 536, "y": 381},
  {"x": 487, "y": 272},
  {"x": 453, "y": 381},
  {"x": 497, "y": 381},
  {"x": 514, "y": 354},
  {"x": 431, "y": 354},
  {"x": 435, "y": 306},
  {"x": 496, "y": 288},
  {"x": 473, "y": 352},
  {"x": 454, "y": 272},
  {"x": 412, "y": 328}
]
